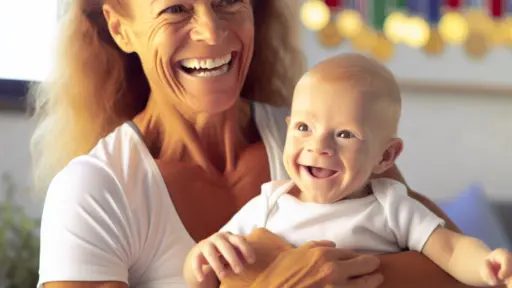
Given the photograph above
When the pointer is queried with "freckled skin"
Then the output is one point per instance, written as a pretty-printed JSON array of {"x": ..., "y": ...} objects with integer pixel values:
[{"x": 201, "y": 29}]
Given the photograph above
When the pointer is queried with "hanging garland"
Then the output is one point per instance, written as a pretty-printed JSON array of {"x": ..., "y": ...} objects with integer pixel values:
[{"x": 376, "y": 26}]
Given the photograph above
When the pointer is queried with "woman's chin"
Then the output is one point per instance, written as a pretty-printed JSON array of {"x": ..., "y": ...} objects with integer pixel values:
[{"x": 211, "y": 94}]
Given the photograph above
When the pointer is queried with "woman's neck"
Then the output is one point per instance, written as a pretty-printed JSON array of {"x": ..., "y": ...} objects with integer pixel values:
[{"x": 211, "y": 141}]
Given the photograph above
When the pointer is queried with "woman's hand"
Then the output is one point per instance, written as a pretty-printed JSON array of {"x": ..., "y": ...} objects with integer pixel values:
[{"x": 320, "y": 264}]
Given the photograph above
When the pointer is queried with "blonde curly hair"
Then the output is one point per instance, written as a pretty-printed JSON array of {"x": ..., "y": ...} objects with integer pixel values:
[{"x": 96, "y": 87}]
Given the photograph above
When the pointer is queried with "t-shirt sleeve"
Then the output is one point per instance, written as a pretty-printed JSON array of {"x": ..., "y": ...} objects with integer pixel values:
[
  {"x": 410, "y": 221},
  {"x": 85, "y": 226},
  {"x": 247, "y": 218}
]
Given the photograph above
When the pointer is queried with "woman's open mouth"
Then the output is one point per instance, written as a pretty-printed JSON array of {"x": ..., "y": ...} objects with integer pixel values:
[
  {"x": 320, "y": 173},
  {"x": 208, "y": 67}
]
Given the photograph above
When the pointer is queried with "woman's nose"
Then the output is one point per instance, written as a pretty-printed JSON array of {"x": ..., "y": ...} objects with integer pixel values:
[{"x": 209, "y": 28}]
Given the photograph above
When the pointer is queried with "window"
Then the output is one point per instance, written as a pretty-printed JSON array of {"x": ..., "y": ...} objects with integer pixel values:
[{"x": 27, "y": 36}]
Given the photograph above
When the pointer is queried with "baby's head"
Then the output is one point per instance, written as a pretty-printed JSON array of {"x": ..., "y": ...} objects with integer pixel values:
[{"x": 342, "y": 127}]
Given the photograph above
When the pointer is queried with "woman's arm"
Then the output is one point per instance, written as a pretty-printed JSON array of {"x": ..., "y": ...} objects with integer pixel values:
[
  {"x": 85, "y": 285},
  {"x": 84, "y": 240},
  {"x": 395, "y": 174},
  {"x": 413, "y": 269}
]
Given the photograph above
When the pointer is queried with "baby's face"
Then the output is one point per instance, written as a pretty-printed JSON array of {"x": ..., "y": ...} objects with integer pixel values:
[{"x": 333, "y": 141}]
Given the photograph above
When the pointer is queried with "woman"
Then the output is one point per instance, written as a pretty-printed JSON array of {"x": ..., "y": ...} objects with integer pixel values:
[{"x": 196, "y": 84}]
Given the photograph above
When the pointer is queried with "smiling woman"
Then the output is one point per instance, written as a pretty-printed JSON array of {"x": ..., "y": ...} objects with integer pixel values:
[
  {"x": 189, "y": 79},
  {"x": 160, "y": 122}
]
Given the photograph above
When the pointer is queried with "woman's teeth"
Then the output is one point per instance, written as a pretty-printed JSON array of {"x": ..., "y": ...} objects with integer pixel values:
[{"x": 207, "y": 67}]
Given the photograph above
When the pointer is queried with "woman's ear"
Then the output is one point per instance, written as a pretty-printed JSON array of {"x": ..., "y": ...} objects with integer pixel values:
[
  {"x": 117, "y": 29},
  {"x": 395, "y": 147}
]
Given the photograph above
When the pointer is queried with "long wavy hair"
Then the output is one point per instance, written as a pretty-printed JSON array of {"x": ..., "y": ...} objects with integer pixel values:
[{"x": 95, "y": 86}]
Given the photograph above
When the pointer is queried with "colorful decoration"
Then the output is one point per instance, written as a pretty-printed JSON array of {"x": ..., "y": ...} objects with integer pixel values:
[
  {"x": 476, "y": 46},
  {"x": 315, "y": 14},
  {"x": 435, "y": 44},
  {"x": 329, "y": 36},
  {"x": 376, "y": 26}
]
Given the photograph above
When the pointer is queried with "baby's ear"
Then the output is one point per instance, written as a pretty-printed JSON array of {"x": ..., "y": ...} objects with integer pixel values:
[
  {"x": 287, "y": 120},
  {"x": 395, "y": 147}
]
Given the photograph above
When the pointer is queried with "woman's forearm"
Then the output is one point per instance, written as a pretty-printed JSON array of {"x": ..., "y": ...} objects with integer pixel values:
[
  {"x": 395, "y": 174},
  {"x": 413, "y": 269}
]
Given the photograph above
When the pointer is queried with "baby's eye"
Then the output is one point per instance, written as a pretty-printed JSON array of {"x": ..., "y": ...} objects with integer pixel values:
[
  {"x": 345, "y": 134},
  {"x": 302, "y": 127}
]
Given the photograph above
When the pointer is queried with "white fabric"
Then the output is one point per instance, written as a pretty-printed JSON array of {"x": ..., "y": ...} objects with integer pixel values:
[
  {"x": 108, "y": 215},
  {"x": 385, "y": 222}
]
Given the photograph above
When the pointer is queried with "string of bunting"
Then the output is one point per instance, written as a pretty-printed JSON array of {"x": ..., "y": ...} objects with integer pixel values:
[{"x": 376, "y": 26}]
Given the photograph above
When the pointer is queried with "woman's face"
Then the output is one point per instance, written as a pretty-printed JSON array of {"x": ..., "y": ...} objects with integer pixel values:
[{"x": 194, "y": 52}]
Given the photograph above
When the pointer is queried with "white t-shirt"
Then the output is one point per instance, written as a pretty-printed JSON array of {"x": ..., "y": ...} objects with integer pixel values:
[
  {"x": 108, "y": 215},
  {"x": 385, "y": 222}
]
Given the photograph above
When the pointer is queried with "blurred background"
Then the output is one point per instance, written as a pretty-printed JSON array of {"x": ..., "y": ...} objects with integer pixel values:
[{"x": 453, "y": 60}]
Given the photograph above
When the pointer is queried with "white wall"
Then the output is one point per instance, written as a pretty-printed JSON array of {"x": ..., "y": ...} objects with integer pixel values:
[
  {"x": 450, "y": 140},
  {"x": 15, "y": 132}
]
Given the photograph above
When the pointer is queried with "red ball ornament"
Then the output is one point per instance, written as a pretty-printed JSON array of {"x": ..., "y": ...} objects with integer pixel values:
[
  {"x": 333, "y": 3},
  {"x": 453, "y": 4}
]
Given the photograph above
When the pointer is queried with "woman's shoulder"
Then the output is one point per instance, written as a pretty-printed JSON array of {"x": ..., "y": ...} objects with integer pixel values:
[
  {"x": 105, "y": 163},
  {"x": 85, "y": 221},
  {"x": 123, "y": 145},
  {"x": 111, "y": 174},
  {"x": 270, "y": 111},
  {"x": 110, "y": 166},
  {"x": 96, "y": 191},
  {"x": 271, "y": 123},
  {"x": 106, "y": 208}
]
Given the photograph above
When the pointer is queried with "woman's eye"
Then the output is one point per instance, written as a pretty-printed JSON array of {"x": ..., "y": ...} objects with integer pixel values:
[
  {"x": 302, "y": 127},
  {"x": 345, "y": 134},
  {"x": 175, "y": 9},
  {"x": 228, "y": 2}
]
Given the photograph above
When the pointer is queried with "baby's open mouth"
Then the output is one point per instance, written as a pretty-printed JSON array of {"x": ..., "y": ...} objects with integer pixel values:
[
  {"x": 207, "y": 67},
  {"x": 321, "y": 173}
]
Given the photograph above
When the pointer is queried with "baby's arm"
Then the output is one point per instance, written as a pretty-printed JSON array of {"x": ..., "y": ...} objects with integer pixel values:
[
  {"x": 204, "y": 261},
  {"x": 215, "y": 257},
  {"x": 468, "y": 259}
]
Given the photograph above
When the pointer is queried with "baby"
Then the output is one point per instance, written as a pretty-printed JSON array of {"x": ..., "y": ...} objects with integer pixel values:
[{"x": 342, "y": 131}]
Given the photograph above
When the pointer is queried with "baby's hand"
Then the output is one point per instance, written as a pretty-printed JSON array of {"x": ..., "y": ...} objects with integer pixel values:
[
  {"x": 498, "y": 268},
  {"x": 221, "y": 251}
]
